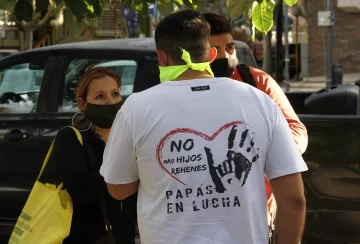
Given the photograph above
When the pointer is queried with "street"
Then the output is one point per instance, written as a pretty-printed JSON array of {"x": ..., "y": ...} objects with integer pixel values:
[{"x": 313, "y": 84}]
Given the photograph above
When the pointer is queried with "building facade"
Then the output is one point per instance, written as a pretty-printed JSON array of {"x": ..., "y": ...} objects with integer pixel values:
[{"x": 346, "y": 37}]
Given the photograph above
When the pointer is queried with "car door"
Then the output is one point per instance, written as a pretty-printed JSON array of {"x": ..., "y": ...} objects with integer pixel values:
[
  {"x": 22, "y": 106},
  {"x": 132, "y": 70},
  {"x": 332, "y": 183}
]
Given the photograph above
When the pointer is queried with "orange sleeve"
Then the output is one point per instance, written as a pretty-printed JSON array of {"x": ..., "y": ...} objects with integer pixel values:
[{"x": 268, "y": 85}]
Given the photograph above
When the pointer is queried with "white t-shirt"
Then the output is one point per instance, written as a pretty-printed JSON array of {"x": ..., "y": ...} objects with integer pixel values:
[{"x": 200, "y": 149}]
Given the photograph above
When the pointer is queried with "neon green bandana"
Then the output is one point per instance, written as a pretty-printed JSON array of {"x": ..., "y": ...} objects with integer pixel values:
[{"x": 169, "y": 73}]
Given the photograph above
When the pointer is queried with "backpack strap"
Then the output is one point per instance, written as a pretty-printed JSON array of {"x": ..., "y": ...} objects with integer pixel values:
[
  {"x": 101, "y": 186},
  {"x": 245, "y": 74}
]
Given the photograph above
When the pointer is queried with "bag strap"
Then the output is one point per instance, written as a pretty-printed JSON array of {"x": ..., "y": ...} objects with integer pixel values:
[
  {"x": 79, "y": 137},
  {"x": 245, "y": 74},
  {"x": 95, "y": 172}
]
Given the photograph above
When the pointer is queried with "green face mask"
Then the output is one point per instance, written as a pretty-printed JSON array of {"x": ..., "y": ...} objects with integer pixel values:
[{"x": 169, "y": 73}]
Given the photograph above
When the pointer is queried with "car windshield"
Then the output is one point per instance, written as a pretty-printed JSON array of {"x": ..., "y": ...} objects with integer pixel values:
[
  {"x": 124, "y": 69},
  {"x": 19, "y": 88},
  {"x": 20, "y": 79}
]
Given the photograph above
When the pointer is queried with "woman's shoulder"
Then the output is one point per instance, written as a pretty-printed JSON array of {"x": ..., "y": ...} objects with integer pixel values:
[
  {"x": 66, "y": 150},
  {"x": 67, "y": 135}
]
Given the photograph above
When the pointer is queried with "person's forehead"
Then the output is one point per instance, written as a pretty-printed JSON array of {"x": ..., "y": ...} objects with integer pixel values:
[
  {"x": 221, "y": 40},
  {"x": 105, "y": 83}
]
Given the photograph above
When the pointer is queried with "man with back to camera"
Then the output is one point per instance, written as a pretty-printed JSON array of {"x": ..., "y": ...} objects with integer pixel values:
[
  {"x": 195, "y": 148},
  {"x": 226, "y": 65}
]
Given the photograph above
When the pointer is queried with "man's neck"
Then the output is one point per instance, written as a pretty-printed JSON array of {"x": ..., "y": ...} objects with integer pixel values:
[{"x": 192, "y": 74}]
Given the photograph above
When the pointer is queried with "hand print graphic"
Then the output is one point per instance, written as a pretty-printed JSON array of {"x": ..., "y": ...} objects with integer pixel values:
[
  {"x": 235, "y": 161},
  {"x": 227, "y": 155}
]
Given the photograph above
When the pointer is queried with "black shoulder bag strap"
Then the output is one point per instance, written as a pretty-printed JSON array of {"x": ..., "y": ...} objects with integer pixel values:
[
  {"x": 101, "y": 186},
  {"x": 245, "y": 74}
]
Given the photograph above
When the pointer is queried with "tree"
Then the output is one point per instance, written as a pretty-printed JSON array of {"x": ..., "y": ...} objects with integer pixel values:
[
  {"x": 261, "y": 11},
  {"x": 33, "y": 14},
  {"x": 165, "y": 7}
]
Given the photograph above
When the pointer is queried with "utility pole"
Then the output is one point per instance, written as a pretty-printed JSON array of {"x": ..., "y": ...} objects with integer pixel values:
[
  {"x": 115, "y": 18},
  {"x": 297, "y": 48},
  {"x": 329, "y": 60},
  {"x": 287, "y": 59},
  {"x": 279, "y": 32}
]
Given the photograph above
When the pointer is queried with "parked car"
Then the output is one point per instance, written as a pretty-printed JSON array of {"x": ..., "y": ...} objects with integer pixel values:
[
  {"x": 7, "y": 52},
  {"x": 37, "y": 98}
]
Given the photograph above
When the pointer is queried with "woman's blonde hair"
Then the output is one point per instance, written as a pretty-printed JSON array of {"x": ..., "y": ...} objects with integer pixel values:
[{"x": 89, "y": 75}]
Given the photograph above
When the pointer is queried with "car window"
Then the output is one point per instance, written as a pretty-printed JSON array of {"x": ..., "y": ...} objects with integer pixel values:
[
  {"x": 19, "y": 88},
  {"x": 124, "y": 69},
  {"x": 245, "y": 56}
]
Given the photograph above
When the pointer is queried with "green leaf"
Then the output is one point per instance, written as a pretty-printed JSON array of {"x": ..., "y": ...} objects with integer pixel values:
[
  {"x": 98, "y": 7},
  {"x": 71, "y": 24},
  {"x": 262, "y": 15},
  {"x": 290, "y": 2},
  {"x": 141, "y": 8},
  {"x": 89, "y": 7},
  {"x": 137, "y": 2},
  {"x": 236, "y": 8},
  {"x": 8, "y": 5},
  {"x": 24, "y": 10},
  {"x": 58, "y": 1},
  {"x": 127, "y": 3},
  {"x": 80, "y": 8},
  {"x": 165, "y": 8},
  {"x": 41, "y": 5},
  {"x": 190, "y": 4},
  {"x": 179, "y": 3},
  {"x": 271, "y": 4}
]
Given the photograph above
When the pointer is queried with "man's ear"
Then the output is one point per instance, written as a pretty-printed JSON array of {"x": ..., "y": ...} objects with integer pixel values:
[
  {"x": 162, "y": 58},
  {"x": 213, "y": 54},
  {"x": 81, "y": 104}
]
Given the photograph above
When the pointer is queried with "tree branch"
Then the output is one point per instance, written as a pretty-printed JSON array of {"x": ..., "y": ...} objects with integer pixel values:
[
  {"x": 17, "y": 22},
  {"x": 50, "y": 14}
]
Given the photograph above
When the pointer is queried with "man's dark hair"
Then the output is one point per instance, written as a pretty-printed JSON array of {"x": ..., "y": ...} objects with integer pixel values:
[
  {"x": 185, "y": 29},
  {"x": 219, "y": 25}
]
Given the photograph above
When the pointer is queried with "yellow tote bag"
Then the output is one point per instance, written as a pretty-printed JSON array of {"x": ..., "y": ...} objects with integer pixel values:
[{"x": 47, "y": 214}]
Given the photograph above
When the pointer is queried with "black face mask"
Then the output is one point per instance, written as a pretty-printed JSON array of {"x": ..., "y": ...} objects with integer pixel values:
[
  {"x": 224, "y": 67},
  {"x": 102, "y": 116}
]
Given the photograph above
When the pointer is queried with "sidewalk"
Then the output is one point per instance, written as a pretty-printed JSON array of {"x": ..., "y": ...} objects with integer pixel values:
[{"x": 312, "y": 84}]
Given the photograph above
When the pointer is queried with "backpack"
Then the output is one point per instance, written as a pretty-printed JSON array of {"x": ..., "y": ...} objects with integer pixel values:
[{"x": 245, "y": 74}]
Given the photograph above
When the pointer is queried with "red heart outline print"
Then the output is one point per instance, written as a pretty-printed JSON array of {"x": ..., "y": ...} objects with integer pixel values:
[{"x": 190, "y": 131}]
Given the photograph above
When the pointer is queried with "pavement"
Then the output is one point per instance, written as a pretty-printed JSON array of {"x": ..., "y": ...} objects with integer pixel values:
[{"x": 315, "y": 83}]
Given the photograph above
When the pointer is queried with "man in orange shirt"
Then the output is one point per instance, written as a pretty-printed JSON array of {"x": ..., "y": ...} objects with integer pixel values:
[{"x": 226, "y": 65}]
